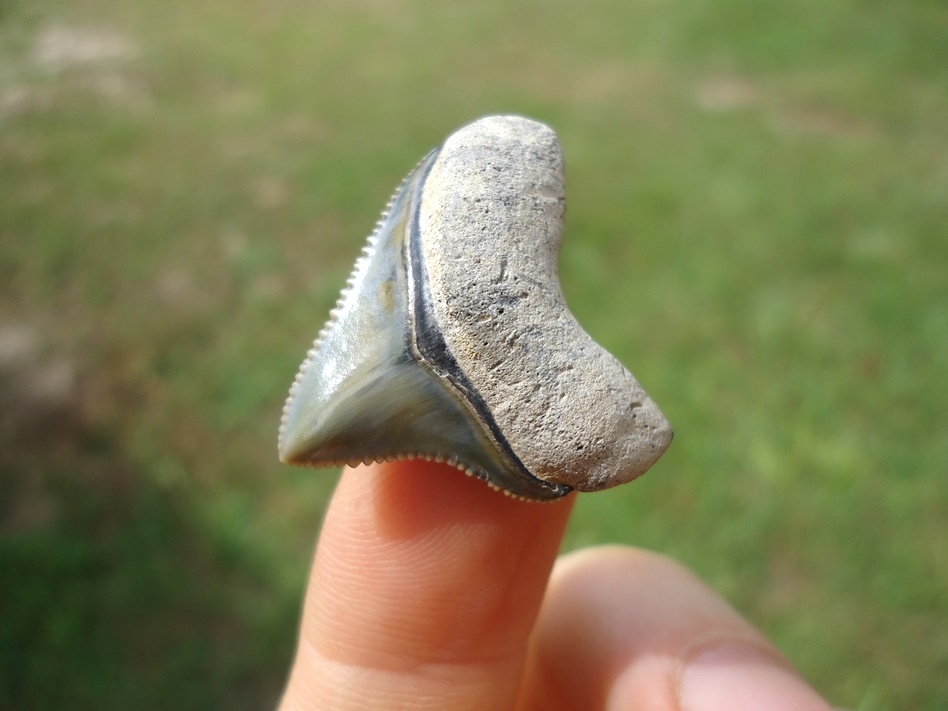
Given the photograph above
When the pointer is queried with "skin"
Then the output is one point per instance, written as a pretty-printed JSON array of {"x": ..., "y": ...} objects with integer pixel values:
[{"x": 431, "y": 591}]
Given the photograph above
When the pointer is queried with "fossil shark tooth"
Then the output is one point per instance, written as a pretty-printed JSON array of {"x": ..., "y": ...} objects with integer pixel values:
[{"x": 452, "y": 340}]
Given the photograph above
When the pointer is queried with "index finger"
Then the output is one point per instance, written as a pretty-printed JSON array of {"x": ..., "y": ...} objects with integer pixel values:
[{"x": 424, "y": 589}]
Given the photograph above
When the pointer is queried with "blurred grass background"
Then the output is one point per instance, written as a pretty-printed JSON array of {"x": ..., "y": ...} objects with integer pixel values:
[{"x": 757, "y": 227}]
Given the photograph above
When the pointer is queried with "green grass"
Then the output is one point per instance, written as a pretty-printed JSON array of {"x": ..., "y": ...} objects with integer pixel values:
[{"x": 758, "y": 226}]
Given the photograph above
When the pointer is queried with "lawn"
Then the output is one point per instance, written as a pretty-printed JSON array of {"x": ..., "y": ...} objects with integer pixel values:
[{"x": 758, "y": 228}]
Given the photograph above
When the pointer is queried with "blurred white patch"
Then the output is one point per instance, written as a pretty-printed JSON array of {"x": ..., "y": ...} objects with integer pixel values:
[
  {"x": 725, "y": 93},
  {"x": 18, "y": 344},
  {"x": 54, "y": 383},
  {"x": 36, "y": 379},
  {"x": 59, "y": 48},
  {"x": 271, "y": 192}
]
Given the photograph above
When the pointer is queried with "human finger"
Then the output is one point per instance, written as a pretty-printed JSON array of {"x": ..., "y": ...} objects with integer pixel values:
[
  {"x": 622, "y": 628},
  {"x": 423, "y": 591}
]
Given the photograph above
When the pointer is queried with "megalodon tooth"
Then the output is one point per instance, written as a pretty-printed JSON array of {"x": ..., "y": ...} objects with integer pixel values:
[{"x": 452, "y": 340}]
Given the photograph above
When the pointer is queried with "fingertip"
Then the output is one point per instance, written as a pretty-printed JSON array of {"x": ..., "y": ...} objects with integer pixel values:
[
  {"x": 588, "y": 566},
  {"x": 737, "y": 676},
  {"x": 413, "y": 495},
  {"x": 618, "y": 627},
  {"x": 426, "y": 582}
]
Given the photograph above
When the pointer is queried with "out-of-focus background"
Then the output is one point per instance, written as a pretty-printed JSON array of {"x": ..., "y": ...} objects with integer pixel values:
[{"x": 758, "y": 227}]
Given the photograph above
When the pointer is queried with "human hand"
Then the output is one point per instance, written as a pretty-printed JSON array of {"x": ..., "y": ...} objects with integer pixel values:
[{"x": 430, "y": 591}]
